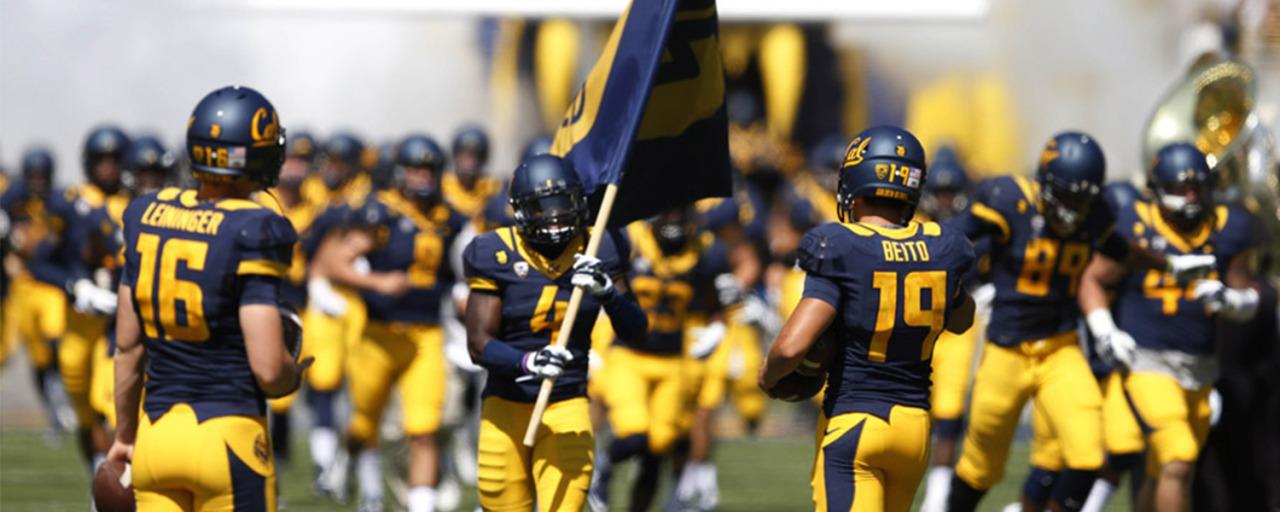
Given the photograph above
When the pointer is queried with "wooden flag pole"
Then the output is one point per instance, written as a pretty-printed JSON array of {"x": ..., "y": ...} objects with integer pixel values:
[{"x": 571, "y": 314}]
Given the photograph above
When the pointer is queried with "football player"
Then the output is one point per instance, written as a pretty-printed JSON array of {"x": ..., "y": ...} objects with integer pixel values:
[
  {"x": 467, "y": 188},
  {"x": 875, "y": 448},
  {"x": 673, "y": 271},
  {"x": 1042, "y": 233},
  {"x": 200, "y": 325},
  {"x": 103, "y": 158},
  {"x": 521, "y": 278},
  {"x": 408, "y": 231},
  {"x": 1165, "y": 337},
  {"x": 335, "y": 315},
  {"x": 41, "y": 229}
]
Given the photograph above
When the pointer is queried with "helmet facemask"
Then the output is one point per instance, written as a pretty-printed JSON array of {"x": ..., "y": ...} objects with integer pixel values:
[
  {"x": 1185, "y": 203},
  {"x": 421, "y": 184},
  {"x": 672, "y": 231},
  {"x": 551, "y": 218},
  {"x": 1065, "y": 206}
]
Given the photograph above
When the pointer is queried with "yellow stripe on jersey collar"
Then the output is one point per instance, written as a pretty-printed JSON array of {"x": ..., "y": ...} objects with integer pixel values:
[
  {"x": 1150, "y": 214},
  {"x": 902, "y": 233},
  {"x": 646, "y": 245},
  {"x": 1031, "y": 189},
  {"x": 552, "y": 268},
  {"x": 438, "y": 215}
]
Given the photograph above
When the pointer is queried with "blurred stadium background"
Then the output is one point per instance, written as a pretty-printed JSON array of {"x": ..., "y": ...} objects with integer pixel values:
[{"x": 994, "y": 76}]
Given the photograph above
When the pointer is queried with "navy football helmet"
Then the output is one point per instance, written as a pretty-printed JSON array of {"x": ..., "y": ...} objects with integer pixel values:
[
  {"x": 104, "y": 142},
  {"x": 673, "y": 229},
  {"x": 1120, "y": 194},
  {"x": 37, "y": 161},
  {"x": 342, "y": 152},
  {"x": 419, "y": 151},
  {"x": 826, "y": 158},
  {"x": 886, "y": 162},
  {"x": 1183, "y": 183},
  {"x": 1071, "y": 172},
  {"x": 549, "y": 202},
  {"x": 148, "y": 165},
  {"x": 301, "y": 145},
  {"x": 946, "y": 192},
  {"x": 539, "y": 145},
  {"x": 235, "y": 133},
  {"x": 470, "y": 151}
]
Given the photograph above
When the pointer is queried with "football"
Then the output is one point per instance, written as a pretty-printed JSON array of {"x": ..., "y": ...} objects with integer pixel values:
[
  {"x": 113, "y": 487},
  {"x": 809, "y": 378},
  {"x": 292, "y": 326}
]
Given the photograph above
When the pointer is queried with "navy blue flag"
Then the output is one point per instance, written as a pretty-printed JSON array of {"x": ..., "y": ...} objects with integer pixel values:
[{"x": 650, "y": 116}]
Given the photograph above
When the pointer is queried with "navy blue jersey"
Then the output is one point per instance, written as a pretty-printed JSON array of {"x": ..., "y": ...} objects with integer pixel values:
[
  {"x": 190, "y": 263},
  {"x": 416, "y": 243},
  {"x": 670, "y": 287},
  {"x": 893, "y": 290},
  {"x": 49, "y": 224},
  {"x": 1158, "y": 311},
  {"x": 1036, "y": 272},
  {"x": 535, "y": 294}
]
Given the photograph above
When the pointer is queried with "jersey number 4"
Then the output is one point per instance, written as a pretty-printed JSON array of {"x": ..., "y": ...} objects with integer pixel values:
[
  {"x": 169, "y": 289},
  {"x": 914, "y": 314}
]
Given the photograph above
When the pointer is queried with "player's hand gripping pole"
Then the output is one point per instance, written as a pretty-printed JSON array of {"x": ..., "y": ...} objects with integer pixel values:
[{"x": 571, "y": 314}]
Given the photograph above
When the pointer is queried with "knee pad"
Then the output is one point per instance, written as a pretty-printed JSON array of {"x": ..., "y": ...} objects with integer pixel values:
[
  {"x": 321, "y": 403},
  {"x": 948, "y": 429}
]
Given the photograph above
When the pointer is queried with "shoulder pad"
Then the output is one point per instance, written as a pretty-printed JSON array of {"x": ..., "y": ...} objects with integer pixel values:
[
  {"x": 265, "y": 235},
  {"x": 822, "y": 246}
]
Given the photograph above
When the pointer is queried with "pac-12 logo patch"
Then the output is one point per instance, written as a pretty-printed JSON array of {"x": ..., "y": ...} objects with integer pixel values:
[{"x": 521, "y": 268}]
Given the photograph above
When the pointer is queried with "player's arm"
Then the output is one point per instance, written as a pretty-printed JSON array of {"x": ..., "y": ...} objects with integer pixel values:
[
  {"x": 483, "y": 320},
  {"x": 130, "y": 358},
  {"x": 609, "y": 287},
  {"x": 809, "y": 320},
  {"x": 1236, "y": 296},
  {"x": 336, "y": 260},
  {"x": 273, "y": 366},
  {"x": 1115, "y": 345}
]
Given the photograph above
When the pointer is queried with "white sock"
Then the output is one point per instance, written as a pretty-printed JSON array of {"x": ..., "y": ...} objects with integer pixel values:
[
  {"x": 324, "y": 445},
  {"x": 422, "y": 499},
  {"x": 369, "y": 473},
  {"x": 937, "y": 486},
  {"x": 1099, "y": 495}
]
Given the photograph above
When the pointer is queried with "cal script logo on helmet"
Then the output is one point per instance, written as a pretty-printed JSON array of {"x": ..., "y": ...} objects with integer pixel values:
[{"x": 264, "y": 135}]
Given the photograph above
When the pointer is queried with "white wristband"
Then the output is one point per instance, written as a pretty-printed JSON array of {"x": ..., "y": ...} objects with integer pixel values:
[{"x": 1100, "y": 322}]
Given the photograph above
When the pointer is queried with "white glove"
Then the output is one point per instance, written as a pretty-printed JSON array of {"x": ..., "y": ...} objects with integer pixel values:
[
  {"x": 589, "y": 274},
  {"x": 706, "y": 339},
  {"x": 93, "y": 299},
  {"x": 1186, "y": 267},
  {"x": 547, "y": 362},
  {"x": 728, "y": 290},
  {"x": 983, "y": 297},
  {"x": 321, "y": 296},
  {"x": 1234, "y": 304},
  {"x": 697, "y": 488},
  {"x": 1114, "y": 345}
]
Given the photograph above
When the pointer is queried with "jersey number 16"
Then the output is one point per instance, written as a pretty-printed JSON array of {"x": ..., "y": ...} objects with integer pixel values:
[{"x": 170, "y": 289}]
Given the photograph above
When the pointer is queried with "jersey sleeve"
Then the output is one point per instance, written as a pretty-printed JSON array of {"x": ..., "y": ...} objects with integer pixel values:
[
  {"x": 965, "y": 259},
  {"x": 814, "y": 256},
  {"x": 264, "y": 245},
  {"x": 618, "y": 262},
  {"x": 984, "y": 218},
  {"x": 479, "y": 273}
]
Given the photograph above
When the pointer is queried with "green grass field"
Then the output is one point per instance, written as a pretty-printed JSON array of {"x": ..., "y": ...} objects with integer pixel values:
[{"x": 763, "y": 475}]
